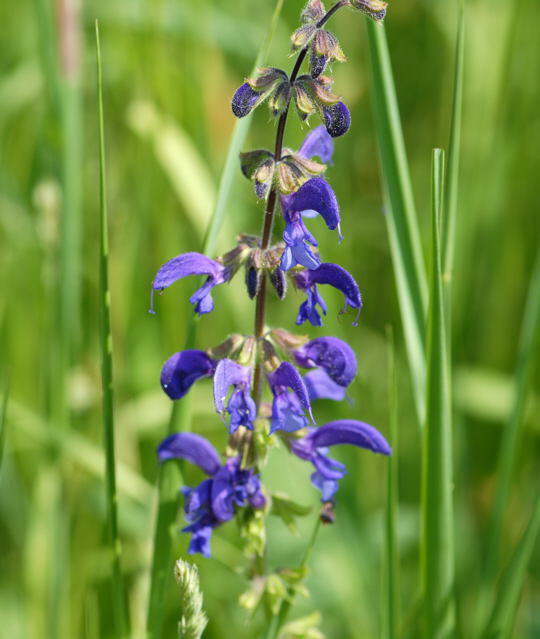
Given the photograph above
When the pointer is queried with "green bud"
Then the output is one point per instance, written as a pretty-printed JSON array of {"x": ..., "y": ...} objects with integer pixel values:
[
  {"x": 253, "y": 531},
  {"x": 279, "y": 100},
  {"x": 259, "y": 167},
  {"x": 275, "y": 593},
  {"x": 375, "y": 9},
  {"x": 303, "y": 628},
  {"x": 302, "y": 36},
  {"x": 266, "y": 79}
]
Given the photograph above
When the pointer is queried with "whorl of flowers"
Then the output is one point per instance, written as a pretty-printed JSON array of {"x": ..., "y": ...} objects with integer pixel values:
[{"x": 291, "y": 371}]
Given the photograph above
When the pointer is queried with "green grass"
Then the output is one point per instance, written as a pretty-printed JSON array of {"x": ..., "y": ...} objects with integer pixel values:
[
  {"x": 121, "y": 621},
  {"x": 437, "y": 541}
]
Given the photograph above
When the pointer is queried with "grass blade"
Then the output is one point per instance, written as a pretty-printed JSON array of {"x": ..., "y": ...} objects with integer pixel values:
[
  {"x": 401, "y": 218},
  {"x": 504, "y": 613},
  {"x": 69, "y": 36},
  {"x": 169, "y": 477},
  {"x": 3, "y": 413},
  {"x": 119, "y": 605},
  {"x": 528, "y": 347},
  {"x": 452, "y": 178},
  {"x": 392, "y": 548},
  {"x": 437, "y": 547}
]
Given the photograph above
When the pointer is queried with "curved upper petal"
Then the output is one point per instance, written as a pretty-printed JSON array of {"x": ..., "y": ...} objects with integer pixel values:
[
  {"x": 194, "y": 448},
  {"x": 349, "y": 431},
  {"x": 187, "y": 264},
  {"x": 183, "y": 369},
  {"x": 315, "y": 195},
  {"x": 318, "y": 142},
  {"x": 337, "y": 119},
  {"x": 223, "y": 494},
  {"x": 287, "y": 375},
  {"x": 334, "y": 355}
]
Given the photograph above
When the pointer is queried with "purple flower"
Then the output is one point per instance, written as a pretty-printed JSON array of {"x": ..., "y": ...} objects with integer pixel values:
[
  {"x": 213, "y": 501},
  {"x": 192, "y": 264},
  {"x": 337, "y": 277},
  {"x": 288, "y": 408},
  {"x": 331, "y": 354},
  {"x": 318, "y": 142},
  {"x": 183, "y": 369},
  {"x": 315, "y": 197},
  {"x": 337, "y": 119},
  {"x": 240, "y": 406},
  {"x": 314, "y": 448}
]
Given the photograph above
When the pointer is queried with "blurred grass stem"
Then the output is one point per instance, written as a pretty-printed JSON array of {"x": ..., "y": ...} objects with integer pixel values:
[{"x": 119, "y": 605}]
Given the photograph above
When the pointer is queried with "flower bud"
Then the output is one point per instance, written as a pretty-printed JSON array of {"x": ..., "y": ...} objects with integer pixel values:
[
  {"x": 302, "y": 36},
  {"x": 375, "y": 9},
  {"x": 228, "y": 347},
  {"x": 259, "y": 167},
  {"x": 269, "y": 356},
  {"x": 287, "y": 341},
  {"x": 279, "y": 100},
  {"x": 313, "y": 11},
  {"x": 279, "y": 282},
  {"x": 253, "y": 280}
]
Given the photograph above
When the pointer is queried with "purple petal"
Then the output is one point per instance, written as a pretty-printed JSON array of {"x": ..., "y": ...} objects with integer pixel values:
[
  {"x": 320, "y": 386},
  {"x": 318, "y": 142},
  {"x": 287, "y": 413},
  {"x": 228, "y": 373},
  {"x": 223, "y": 494},
  {"x": 333, "y": 355},
  {"x": 337, "y": 277},
  {"x": 337, "y": 119},
  {"x": 194, "y": 448},
  {"x": 184, "y": 265},
  {"x": 201, "y": 533},
  {"x": 315, "y": 195},
  {"x": 287, "y": 375},
  {"x": 192, "y": 264},
  {"x": 349, "y": 431},
  {"x": 183, "y": 369},
  {"x": 328, "y": 487},
  {"x": 244, "y": 100}
]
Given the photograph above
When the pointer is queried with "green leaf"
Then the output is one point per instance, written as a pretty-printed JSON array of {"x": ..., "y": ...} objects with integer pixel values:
[
  {"x": 501, "y": 623},
  {"x": 401, "y": 218},
  {"x": 437, "y": 544}
]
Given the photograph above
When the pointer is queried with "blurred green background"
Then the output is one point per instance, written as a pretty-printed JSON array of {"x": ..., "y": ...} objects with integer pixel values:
[{"x": 170, "y": 68}]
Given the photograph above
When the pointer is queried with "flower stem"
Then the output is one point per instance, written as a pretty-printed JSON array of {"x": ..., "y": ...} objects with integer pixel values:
[
  {"x": 270, "y": 210},
  {"x": 279, "y": 619}
]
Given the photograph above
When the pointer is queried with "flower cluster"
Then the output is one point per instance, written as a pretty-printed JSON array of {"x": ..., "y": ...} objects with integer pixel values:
[{"x": 294, "y": 370}]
